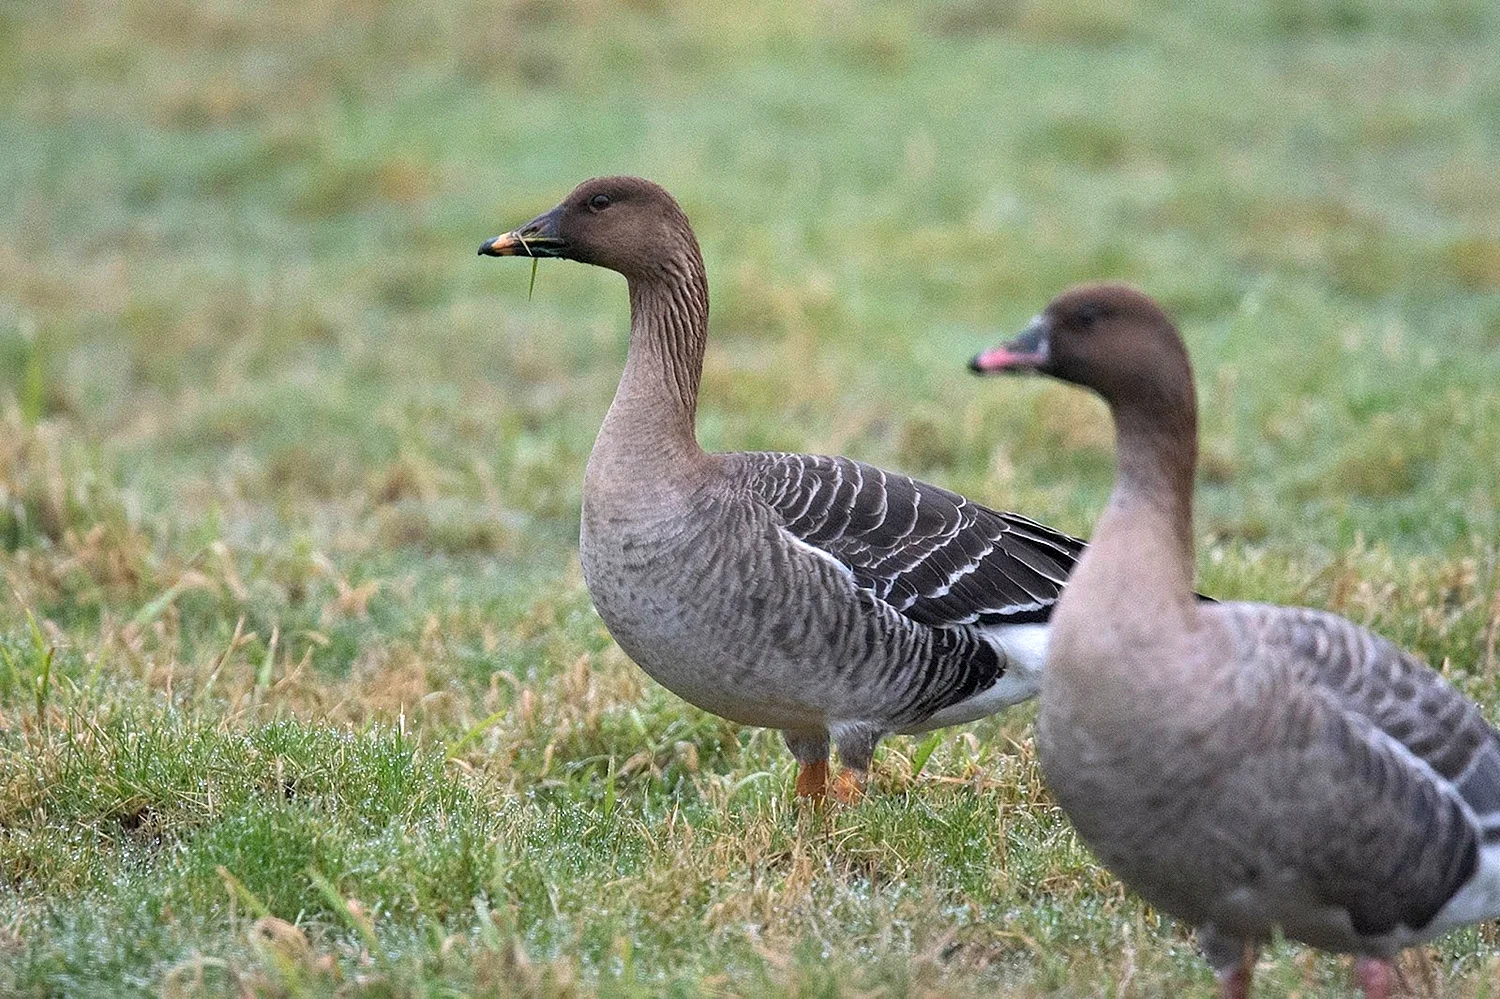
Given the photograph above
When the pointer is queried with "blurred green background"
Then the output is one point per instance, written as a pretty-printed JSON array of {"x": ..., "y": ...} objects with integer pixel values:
[{"x": 300, "y": 688}]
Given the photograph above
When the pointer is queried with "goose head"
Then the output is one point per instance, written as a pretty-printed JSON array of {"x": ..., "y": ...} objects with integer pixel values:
[
  {"x": 624, "y": 224},
  {"x": 1107, "y": 337}
]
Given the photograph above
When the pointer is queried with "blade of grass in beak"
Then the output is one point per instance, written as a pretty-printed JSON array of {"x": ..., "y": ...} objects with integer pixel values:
[{"x": 531, "y": 289}]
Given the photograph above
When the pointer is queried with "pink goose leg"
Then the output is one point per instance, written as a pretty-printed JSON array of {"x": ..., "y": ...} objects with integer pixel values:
[
  {"x": 1235, "y": 983},
  {"x": 1373, "y": 974}
]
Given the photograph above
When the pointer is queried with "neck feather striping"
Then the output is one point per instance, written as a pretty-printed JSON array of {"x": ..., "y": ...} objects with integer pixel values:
[{"x": 657, "y": 399}]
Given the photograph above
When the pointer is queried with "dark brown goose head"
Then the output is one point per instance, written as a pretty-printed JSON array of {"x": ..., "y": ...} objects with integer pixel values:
[
  {"x": 1107, "y": 337},
  {"x": 625, "y": 224}
]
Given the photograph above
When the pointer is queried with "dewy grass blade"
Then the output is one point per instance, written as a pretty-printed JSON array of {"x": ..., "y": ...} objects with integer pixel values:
[{"x": 924, "y": 753}]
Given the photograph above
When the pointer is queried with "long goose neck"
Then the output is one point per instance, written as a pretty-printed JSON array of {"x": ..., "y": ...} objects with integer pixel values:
[
  {"x": 1141, "y": 554},
  {"x": 657, "y": 399}
]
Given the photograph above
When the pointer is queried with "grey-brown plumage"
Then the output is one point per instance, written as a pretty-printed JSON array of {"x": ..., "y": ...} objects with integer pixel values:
[
  {"x": 820, "y": 596},
  {"x": 1242, "y": 766}
]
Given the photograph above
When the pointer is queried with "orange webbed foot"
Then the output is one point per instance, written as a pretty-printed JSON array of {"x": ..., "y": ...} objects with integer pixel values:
[{"x": 848, "y": 787}]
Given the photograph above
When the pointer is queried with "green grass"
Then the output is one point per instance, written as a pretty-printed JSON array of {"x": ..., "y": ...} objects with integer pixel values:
[{"x": 300, "y": 690}]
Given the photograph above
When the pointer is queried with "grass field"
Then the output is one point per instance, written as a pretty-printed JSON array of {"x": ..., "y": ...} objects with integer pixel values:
[{"x": 300, "y": 690}]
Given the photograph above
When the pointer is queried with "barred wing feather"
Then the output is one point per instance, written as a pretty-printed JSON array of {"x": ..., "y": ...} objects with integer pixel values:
[
  {"x": 931, "y": 554},
  {"x": 1405, "y": 732}
]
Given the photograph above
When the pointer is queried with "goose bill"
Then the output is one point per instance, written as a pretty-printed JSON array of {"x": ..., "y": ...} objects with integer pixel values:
[
  {"x": 537, "y": 238},
  {"x": 1027, "y": 352}
]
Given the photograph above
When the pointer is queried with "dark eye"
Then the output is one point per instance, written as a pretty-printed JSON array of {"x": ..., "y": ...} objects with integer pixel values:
[
  {"x": 599, "y": 202},
  {"x": 1088, "y": 315}
]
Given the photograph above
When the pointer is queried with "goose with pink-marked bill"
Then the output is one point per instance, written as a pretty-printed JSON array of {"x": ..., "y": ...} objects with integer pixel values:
[{"x": 1243, "y": 767}]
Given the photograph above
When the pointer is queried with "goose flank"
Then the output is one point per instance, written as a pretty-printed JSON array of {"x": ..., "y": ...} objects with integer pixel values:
[
  {"x": 817, "y": 595},
  {"x": 1244, "y": 767}
]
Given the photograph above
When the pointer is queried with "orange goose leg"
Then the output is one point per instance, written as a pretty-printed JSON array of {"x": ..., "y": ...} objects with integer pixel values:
[
  {"x": 812, "y": 780},
  {"x": 1374, "y": 976}
]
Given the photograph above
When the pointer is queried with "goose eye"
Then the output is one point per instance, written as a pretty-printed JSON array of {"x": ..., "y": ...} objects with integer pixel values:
[{"x": 599, "y": 202}]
